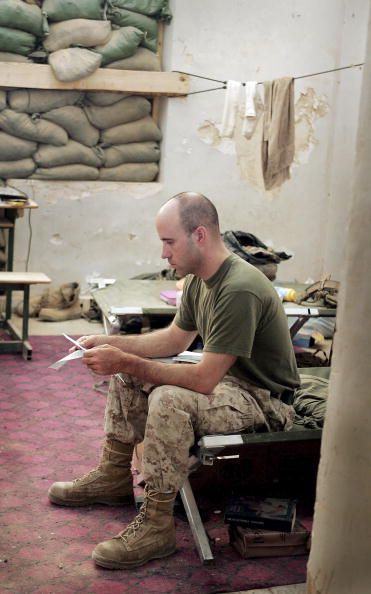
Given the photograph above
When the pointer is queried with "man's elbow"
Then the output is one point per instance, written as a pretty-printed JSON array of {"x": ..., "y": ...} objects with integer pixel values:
[{"x": 204, "y": 385}]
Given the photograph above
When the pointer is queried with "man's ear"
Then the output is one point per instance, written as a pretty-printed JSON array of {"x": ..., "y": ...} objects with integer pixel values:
[{"x": 200, "y": 234}]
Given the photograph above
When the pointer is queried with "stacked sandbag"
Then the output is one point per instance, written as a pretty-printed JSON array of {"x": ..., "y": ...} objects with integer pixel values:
[
  {"x": 128, "y": 161},
  {"x": 80, "y": 157},
  {"x": 39, "y": 101},
  {"x": 60, "y": 10},
  {"x": 117, "y": 30},
  {"x": 72, "y": 135},
  {"x": 23, "y": 129},
  {"x": 141, "y": 14},
  {"x": 131, "y": 151},
  {"x": 21, "y": 26},
  {"x": 70, "y": 40},
  {"x": 79, "y": 41}
]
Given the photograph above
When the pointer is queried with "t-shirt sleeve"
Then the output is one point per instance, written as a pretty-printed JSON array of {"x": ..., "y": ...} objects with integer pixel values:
[
  {"x": 235, "y": 321},
  {"x": 184, "y": 317}
]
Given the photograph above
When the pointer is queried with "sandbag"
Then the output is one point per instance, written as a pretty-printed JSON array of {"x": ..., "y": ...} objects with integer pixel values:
[
  {"x": 83, "y": 32},
  {"x": 62, "y": 10},
  {"x": 38, "y": 101},
  {"x": 158, "y": 9},
  {"x": 18, "y": 15},
  {"x": 126, "y": 18},
  {"x": 72, "y": 152},
  {"x": 67, "y": 172},
  {"x": 74, "y": 120},
  {"x": 9, "y": 57},
  {"x": 104, "y": 98},
  {"x": 143, "y": 59},
  {"x": 16, "y": 41},
  {"x": 2, "y": 99},
  {"x": 12, "y": 148},
  {"x": 20, "y": 168},
  {"x": 29, "y": 128},
  {"x": 122, "y": 43},
  {"x": 134, "y": 152},
  {"x": 130, "y": 172},
  {"x": 127, "y": 110},
  {"x": 138, "y": 131},
  {"x": 74, "y": 63}
]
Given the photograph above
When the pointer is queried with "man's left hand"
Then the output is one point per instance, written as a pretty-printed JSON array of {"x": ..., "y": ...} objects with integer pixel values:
[{"x": 105, "y": 360}]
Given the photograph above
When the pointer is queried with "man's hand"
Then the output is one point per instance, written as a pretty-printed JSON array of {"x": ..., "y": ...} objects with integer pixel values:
[
  {"x": 89, "y": 342},
  {"x": 105, "y": 359}
]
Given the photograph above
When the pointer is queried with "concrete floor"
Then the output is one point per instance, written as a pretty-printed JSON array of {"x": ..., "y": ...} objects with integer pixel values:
[
  {"x": 81, "y": 327},
  {"x": 72, "y": 327}
]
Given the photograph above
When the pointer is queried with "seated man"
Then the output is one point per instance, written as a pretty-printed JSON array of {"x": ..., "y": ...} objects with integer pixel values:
[{"x": 246, "y": 373}]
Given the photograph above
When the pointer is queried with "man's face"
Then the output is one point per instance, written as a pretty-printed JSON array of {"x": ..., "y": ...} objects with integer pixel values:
[{"x": 178, "y": 248}]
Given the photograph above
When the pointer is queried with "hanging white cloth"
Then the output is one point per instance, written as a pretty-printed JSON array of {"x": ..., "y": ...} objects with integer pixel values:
[
  {"x": 249, "y": 109},
  {"x": 231, "y": 103}
]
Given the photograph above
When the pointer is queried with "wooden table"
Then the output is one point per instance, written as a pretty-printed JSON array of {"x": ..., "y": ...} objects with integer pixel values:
[
  {"x": 10, "y": 211},
  {"x": 18, "y": 281}
]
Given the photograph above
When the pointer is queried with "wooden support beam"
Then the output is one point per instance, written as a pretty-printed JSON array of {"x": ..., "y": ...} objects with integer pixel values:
[{"x": 139, "y": 82}]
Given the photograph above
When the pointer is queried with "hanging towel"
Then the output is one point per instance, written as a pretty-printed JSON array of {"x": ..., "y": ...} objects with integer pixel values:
[
  {"x": 249, "y": 109},
  {"x": 231, "y": 102},
  {"x": 279, "y": 133}
]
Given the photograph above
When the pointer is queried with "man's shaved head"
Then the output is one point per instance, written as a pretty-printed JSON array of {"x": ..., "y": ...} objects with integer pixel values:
[{"x": 195, "y": 210}]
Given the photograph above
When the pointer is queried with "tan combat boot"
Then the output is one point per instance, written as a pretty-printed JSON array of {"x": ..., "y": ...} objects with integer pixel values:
[
  {"x": 110, "y": 483},
  {"x": 62, "y": 304},
  {"x": 151, "y": 535}
]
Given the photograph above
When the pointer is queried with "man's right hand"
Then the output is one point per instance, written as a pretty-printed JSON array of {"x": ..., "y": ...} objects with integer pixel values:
[{"x": 88, "y": 342}]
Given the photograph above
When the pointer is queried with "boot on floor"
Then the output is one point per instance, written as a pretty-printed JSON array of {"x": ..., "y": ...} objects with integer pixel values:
[
  {"x": 62, "y": 304},
  {"x": 151, "y": 535},
  {"x": 110, "y": 483},
  {"x": 64, "y": 297},
  {"x": 50, "y": 314}
]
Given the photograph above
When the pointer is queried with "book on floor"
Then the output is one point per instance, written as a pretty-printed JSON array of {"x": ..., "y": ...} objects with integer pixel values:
[
  {"x": 257, "y": 542},
  {"x": 269, "y": 513}
]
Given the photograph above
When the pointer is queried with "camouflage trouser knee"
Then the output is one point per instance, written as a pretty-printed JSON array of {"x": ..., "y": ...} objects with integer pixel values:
[
  {"x": 170, "y": 419},
  {"x": 126, "y": 409}
]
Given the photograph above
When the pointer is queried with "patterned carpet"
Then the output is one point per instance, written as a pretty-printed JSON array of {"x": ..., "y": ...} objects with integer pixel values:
[{"x": 51, "y": 429}]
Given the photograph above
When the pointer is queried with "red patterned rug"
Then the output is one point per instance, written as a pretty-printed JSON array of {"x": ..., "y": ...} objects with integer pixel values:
[{"x": 51, "y": 429}]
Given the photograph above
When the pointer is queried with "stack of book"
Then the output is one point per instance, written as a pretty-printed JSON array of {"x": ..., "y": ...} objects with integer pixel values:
[{"x": 265, "y": 527}]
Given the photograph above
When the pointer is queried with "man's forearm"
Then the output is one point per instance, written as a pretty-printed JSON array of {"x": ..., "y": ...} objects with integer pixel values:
[
  {"x": 151, "y": 344},
  {"x": 200, "y": 377},
  {"x": 184, "y": 375}
]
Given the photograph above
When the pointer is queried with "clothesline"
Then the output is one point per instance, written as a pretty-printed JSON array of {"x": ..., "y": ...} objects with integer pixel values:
[{"x": 224, "y": 82}]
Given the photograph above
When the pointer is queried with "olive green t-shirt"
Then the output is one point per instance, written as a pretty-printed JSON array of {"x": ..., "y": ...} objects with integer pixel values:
[{"x": 237, "y": 311}]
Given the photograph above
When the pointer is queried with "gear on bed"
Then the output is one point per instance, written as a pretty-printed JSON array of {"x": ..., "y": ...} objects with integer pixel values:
[{"x": 322, "y": 293}]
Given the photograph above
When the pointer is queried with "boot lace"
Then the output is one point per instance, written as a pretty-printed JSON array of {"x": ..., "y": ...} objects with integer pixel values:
[
  {"x": 132, "y": 528},
  {"x": 88, "y": 475}
]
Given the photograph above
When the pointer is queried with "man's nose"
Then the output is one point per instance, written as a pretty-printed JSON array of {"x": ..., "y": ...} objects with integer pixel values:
[{"x": 165, "y": 252}]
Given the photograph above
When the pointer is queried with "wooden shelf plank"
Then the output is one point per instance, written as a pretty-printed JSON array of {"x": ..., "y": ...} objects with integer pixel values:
[{"x": 40, "y": 76}]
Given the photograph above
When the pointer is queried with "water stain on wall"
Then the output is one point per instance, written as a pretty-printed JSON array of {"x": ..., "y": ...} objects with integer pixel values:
[
  {"x": 308, "y": 108},
  {"x": 56, "y": 239}
]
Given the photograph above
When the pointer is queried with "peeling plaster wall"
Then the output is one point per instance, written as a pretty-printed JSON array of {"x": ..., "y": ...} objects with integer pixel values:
[{"x": 86, "y": 228}]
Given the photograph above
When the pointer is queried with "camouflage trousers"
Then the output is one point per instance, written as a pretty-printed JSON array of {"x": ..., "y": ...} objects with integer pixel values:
[{"x": 169, "y": 419}]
